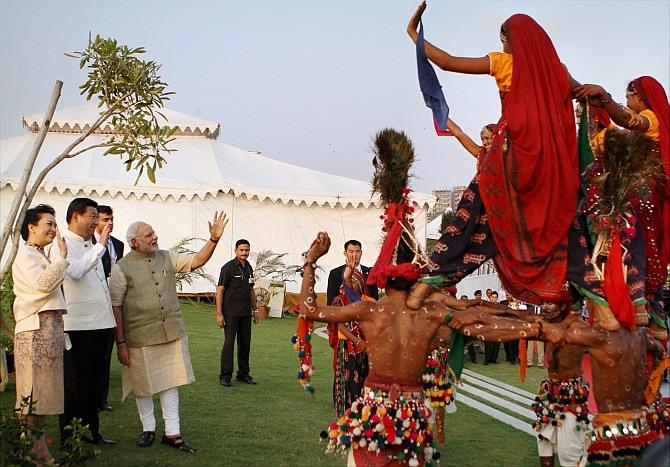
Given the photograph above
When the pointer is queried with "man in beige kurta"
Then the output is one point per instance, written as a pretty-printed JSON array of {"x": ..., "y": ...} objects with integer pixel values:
[{"x": 150, "y": 336}]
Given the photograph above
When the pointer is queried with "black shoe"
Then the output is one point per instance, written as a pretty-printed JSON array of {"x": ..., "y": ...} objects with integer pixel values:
[
  {"x": 146, "y": 439},
  {"x": 247, "y": 379},
  {"x": 100, "y": 441},
  {"x": 225, "y": 382},
  {"x": 473, "y": 361},
  {"x": 495, "y": 363},
  {"x": 486, "y": 363},
  {"x": 105, "y": 407},
  {"x": 178, "y": 443}
]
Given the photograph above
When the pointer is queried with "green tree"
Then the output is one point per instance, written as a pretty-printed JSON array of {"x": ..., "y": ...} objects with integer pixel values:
[
  {"x": 130, "y": 94},
  {"x": 447, "y": 218}
]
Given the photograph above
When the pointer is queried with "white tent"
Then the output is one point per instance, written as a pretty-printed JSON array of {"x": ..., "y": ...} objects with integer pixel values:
[
  {"x": 433, "y": 228},
  {"x": 273, "y": 204}
]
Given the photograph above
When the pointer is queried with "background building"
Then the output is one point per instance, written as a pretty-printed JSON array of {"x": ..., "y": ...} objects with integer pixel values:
[{"x": 447, "y": 200}]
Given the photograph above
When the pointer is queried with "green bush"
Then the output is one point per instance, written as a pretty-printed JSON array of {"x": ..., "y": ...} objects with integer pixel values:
[
  {"x": 15, "y": 443},
  {"x": 6, "y": 315}
]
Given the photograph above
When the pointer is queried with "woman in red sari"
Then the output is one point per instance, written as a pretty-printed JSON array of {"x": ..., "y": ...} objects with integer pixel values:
[
  {"x": 647, "y": 111},
  {"x": 529, "y": 177}
]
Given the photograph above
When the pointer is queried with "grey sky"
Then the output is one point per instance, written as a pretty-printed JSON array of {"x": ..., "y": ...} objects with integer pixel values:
[{"x": 310, "y": 82}]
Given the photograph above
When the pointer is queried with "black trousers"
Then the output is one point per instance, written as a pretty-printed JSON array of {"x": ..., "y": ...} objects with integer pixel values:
[
  {"x": 471, "y": 353},
  {"x": 103, "y": 389},
  {"x": 491, "y": 350},
  {"x": 236, "y": 327},
  {"x": 83, "y": 371},
  {"x": 512, "y": 351}
]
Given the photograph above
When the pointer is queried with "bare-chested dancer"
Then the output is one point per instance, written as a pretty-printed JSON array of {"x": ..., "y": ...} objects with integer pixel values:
[
  {"x": 621, "y": 430},
  {"x": 618, "y": 367},
  {"x": 398, "y": 344},
  {"x": 561, "y": 405}
]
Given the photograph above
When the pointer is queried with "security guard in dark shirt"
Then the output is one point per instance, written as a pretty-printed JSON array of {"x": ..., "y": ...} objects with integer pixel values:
[{"x": 235, "y": 308}]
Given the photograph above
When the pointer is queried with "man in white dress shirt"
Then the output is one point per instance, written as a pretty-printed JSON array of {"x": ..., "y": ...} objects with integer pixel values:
[{"x": 89, "y": 320}]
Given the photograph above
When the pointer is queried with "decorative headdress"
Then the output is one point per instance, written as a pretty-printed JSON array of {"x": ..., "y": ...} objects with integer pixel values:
[
  {"x": 399, "y": 255},
  {"x": 625, "y": 169}
]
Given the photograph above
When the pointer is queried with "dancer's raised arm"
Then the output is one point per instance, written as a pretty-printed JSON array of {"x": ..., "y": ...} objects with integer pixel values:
[
  {"x": 308, "y": 306},
  {"x": 467, "y": 142},
  {"x": 444, "y": 60}
]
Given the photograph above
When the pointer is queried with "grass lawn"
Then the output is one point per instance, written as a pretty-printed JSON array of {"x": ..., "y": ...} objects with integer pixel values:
[
  {"x": 276, "y": 422},
  {"x": 508, "y": 373}
]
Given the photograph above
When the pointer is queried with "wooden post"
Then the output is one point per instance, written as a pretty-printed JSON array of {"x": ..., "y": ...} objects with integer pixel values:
[{"x": 28, "y": 169}]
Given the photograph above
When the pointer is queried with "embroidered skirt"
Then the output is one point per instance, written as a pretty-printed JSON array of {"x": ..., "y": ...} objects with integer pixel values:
[
  {"x": 38, "y": 358},
  {"x": 388, "y": 423},
  {"x": 351, "y": 370},
  {"x": 621, "y": 439}
]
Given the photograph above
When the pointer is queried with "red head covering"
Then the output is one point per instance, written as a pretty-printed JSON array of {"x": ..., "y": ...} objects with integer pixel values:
[
  {"x": 601, "y": 116},
  {"x": 530, "y": 192},
  {"x": 653, "y": 95}
]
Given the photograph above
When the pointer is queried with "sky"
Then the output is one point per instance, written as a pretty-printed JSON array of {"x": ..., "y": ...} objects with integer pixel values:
[{"x": 311, "y": 82}]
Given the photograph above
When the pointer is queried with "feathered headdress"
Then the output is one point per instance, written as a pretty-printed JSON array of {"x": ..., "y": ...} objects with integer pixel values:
[
  {"x": 394, "y": 156},
  {"x": 627, "y": 169}
]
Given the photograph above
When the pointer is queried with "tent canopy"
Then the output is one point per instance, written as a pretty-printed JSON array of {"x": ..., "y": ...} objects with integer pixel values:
[{"x": 79, "y": 118}]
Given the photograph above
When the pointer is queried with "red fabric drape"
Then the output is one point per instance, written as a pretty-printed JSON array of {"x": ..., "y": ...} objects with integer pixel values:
[
  {"x": 601, "y": 115},
  {"x": 530, "y": 192},
  {"x": 658, "y": 241},
  {"x": 657, "y": 100},
  {"x": 377, "y": 274},
  {"x": 615, "y": 287}
]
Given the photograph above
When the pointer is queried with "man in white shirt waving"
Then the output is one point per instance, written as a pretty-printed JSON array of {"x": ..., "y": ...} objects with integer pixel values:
[{"x": 89, "y": 320}]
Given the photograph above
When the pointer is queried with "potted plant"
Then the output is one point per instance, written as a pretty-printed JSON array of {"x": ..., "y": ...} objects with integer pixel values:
[{"x": 263, "y": 297}]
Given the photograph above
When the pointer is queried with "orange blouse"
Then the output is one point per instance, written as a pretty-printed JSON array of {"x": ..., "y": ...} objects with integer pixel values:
[
  {"x": 501, "y": 69},
  {"x": 653, "y": 131}
]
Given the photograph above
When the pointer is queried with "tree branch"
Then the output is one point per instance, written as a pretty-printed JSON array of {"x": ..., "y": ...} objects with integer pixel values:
[{"x": 101, "y": 145}]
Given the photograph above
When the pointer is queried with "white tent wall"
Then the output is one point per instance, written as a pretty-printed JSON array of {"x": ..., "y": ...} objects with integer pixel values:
[
  {"x": 282, "y": 228},
  {"x": 480, "y": 282}
]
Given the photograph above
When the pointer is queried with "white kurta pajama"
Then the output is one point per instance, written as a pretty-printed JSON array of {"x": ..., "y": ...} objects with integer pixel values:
[{"x": 156, "y": 368}]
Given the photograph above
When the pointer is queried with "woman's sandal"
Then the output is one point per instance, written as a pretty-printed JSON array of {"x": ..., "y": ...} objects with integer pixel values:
[{"x": 178, "y": 442}]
